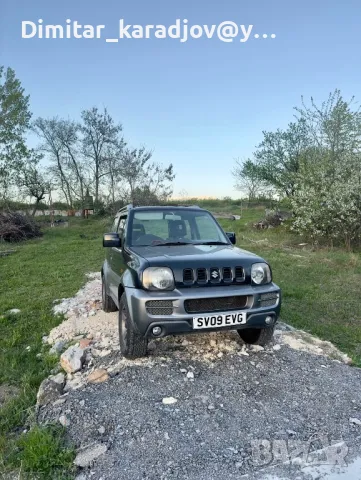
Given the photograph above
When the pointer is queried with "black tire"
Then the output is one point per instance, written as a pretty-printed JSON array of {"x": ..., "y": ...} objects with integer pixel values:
[
  {"x": 108, "y": 303},
  {"x": 256, "y": 336},
  {"x": 132, "y": 343}
]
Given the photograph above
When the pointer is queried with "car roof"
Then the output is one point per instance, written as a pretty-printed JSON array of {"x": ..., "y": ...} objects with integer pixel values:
[{"x": 159, "y": 207}]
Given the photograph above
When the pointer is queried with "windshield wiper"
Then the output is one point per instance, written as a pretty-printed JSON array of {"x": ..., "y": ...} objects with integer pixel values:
[{"x": 212, "y": 243}]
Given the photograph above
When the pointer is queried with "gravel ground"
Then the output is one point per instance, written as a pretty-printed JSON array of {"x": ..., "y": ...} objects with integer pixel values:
[{"x": 196, "y": 405}]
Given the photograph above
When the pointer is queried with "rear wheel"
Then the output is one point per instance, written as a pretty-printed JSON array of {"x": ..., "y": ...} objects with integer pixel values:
[
  {"x": 256, "y": 336},
  {"x": 132, "y": 343},
  {"x": 108, "y": 303}
]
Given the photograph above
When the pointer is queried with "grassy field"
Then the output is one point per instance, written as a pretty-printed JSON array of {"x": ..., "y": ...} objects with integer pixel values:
[
  {"x": 320, "y": 295},
  {"x": 40, "y": 271}
]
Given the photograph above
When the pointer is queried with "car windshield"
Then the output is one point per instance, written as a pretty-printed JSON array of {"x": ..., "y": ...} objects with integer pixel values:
[{"x": 174, "y": 227}]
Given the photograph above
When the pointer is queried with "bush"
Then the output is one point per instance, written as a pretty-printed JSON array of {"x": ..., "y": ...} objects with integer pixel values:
[{"x": 15, "y": 227}]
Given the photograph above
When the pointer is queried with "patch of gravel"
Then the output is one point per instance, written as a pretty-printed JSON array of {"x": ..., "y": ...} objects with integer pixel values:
[{"x": 192, "y": 407}]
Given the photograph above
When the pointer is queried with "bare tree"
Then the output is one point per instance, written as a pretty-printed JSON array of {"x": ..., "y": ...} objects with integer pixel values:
[
  {"x": 32, "y": 180},
  {"x": 142, "y": 180},
  {"x": 48, "y": 131},
  {"x": 100, "y": 132}
]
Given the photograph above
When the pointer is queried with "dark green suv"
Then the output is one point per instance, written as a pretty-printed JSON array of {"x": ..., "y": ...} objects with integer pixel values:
[{"x": 173, "y": 270}]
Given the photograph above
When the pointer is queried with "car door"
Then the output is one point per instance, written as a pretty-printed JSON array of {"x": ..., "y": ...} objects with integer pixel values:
[{"x": 117, "y": 260}]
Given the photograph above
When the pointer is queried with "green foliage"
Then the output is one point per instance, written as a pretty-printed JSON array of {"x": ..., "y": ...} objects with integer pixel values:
[
  {"x": 14, "y": 122},
  {"x": 43, "y": 453},
  {"x": 55, "y": 268}
]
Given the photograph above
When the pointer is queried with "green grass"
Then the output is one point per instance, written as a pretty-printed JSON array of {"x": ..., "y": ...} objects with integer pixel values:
[
  {"x": 320, "y": 288},
  {"x": 320, "y": 295},
  {"x": 41, "y": 270}
]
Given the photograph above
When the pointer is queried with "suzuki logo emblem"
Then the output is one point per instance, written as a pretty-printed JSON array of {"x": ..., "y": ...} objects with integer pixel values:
[{"x": 214, "y": 274}]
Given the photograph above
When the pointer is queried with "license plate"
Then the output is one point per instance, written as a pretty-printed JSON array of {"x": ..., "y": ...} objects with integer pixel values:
[{"x": 220, "y": 320}]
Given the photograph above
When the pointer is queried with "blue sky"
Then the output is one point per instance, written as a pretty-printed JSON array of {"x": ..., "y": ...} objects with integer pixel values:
[{"x": 197, "y": 104}]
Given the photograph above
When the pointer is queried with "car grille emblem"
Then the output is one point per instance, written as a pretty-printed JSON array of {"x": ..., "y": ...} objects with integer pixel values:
[{"x": 214, "y": 274}]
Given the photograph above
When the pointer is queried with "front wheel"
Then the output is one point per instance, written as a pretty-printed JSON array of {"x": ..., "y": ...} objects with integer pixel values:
[
  {"x": 132, "y": 343},
  {"x": 256, "y": 336}
]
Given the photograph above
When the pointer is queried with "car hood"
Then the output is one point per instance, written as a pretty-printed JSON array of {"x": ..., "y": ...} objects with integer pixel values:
[{"x": 192, "y": 255}]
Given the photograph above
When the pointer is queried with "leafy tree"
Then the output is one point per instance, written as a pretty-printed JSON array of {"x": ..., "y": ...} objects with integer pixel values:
[
  {"x": 14, "y": 121},
  {"x": 277, "y": 157},
  {"x": 327, "y": 203},
  {"x": 248, "y": 178}
]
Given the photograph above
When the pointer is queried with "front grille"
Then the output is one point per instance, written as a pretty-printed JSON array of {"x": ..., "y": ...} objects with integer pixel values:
[
  {"x": 201, "y": 275},
  {"x": 239, "y": 274},
  {"x": 187, "y": 275},
  {"x": 268, "y": 299},
  {"x": 159, "y": 307},
  {"x": 214, "y": 275},
  {"x": 227, "y": 274},
  {"x": 220, "y": 304}
]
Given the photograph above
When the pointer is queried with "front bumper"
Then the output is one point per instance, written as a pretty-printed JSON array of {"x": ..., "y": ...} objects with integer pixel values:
[{"x": 181, "y": 322}]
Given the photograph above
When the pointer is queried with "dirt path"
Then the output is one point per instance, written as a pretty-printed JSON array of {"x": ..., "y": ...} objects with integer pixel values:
[{"x": 202, "y": 406}]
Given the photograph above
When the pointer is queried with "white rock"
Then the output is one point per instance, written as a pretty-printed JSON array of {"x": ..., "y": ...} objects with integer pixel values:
[
  {"x": 256, "y": 348},
  {"x": 276, "y": 347},
  {"x": 183, "y": 370},
  {"x": 355, "y": 421},
  {"x": 101, "y": 430},
  {"x": 190, "y": 375},
  {"x": 169, "y": 400},
  {"x": 86, "y": 457},
  {"x": 64, "y": 420},
  {"x": 14, "y": 311},
  {"x": 72, "y": 359}
]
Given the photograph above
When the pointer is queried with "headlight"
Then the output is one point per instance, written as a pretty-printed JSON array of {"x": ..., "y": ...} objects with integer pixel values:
[
  {"x": 158, "y": 278},
  {"x": 261, "y": 273}
]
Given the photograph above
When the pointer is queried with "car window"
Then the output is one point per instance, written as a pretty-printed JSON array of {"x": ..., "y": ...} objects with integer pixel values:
[
  {"x": 121, "y": 226},
  {"x": 207, "y": 228},
  {"x": 152, "y": 227},
  {"x": 115, "y": 224}
]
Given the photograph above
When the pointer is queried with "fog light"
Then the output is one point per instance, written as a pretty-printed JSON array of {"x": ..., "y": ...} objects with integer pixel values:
[
  {"x": 269, "y": 320},
  {"x": 156, "y": 331}
]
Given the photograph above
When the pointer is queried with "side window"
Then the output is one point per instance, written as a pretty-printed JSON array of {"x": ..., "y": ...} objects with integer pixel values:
[
  {"x": 115, "y": 224},
  {"x": 121, "y": 226}
]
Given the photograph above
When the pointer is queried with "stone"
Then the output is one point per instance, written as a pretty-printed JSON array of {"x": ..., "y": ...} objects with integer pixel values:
[
  {"x": 355, "y": 421},
  {"x": 101, "y": 430},
  {"x": 64, "y": 420},
  {"x": 256, "y": 348},
  {"x": 190, "y": 375},
  {"x": 14, "y": 311},
  {"x": 50, "y": 389},
  {"x": 72, "y": 359},
  {"x": 276, "y": 347},
  {"x": 85, "y": 457},
  {"x": 183, "y": 370},
  {"x": 99, "y": 375},
  {"x": 57, "y": 348},
  {"x": 169, "y": 401},
  {"x": 85, "y": 343}
]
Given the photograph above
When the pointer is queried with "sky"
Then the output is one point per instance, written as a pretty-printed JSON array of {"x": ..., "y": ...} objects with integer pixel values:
[{"x": 197, "y": 104}]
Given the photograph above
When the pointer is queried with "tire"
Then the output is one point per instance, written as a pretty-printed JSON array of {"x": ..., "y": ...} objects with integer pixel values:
[
  {"x": 108, "y": 303},
  {"x": 132, "y": 343},
  {"x": 256, "y": 336}
]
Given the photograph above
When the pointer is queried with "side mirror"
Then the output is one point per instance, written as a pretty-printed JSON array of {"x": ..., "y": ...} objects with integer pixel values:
[
  {"x": 111, "y": 240},
  {"x": 232, "y": 237}
]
